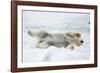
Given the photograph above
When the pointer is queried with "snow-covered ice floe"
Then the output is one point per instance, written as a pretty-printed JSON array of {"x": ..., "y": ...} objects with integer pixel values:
[{"x": 32, "y": 54}]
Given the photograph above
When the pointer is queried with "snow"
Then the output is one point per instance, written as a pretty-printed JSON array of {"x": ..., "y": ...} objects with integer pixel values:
[
  {"x": 64, "y": 22},
  {"x": 32, "y": 54}
]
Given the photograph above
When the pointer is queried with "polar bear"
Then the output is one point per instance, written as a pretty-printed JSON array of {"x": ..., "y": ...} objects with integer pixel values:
[{"x": 58, "y": 40}]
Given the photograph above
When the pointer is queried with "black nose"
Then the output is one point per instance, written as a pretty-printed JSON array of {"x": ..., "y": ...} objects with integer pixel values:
[{"x": 82, "y": 41}]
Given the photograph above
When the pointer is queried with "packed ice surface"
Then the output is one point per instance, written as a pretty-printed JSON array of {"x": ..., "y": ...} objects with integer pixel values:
[{"x": 53, "y": 22}]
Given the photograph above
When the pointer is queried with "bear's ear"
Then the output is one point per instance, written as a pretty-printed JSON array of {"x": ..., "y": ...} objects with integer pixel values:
[{"x": 78, "y": 35}]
